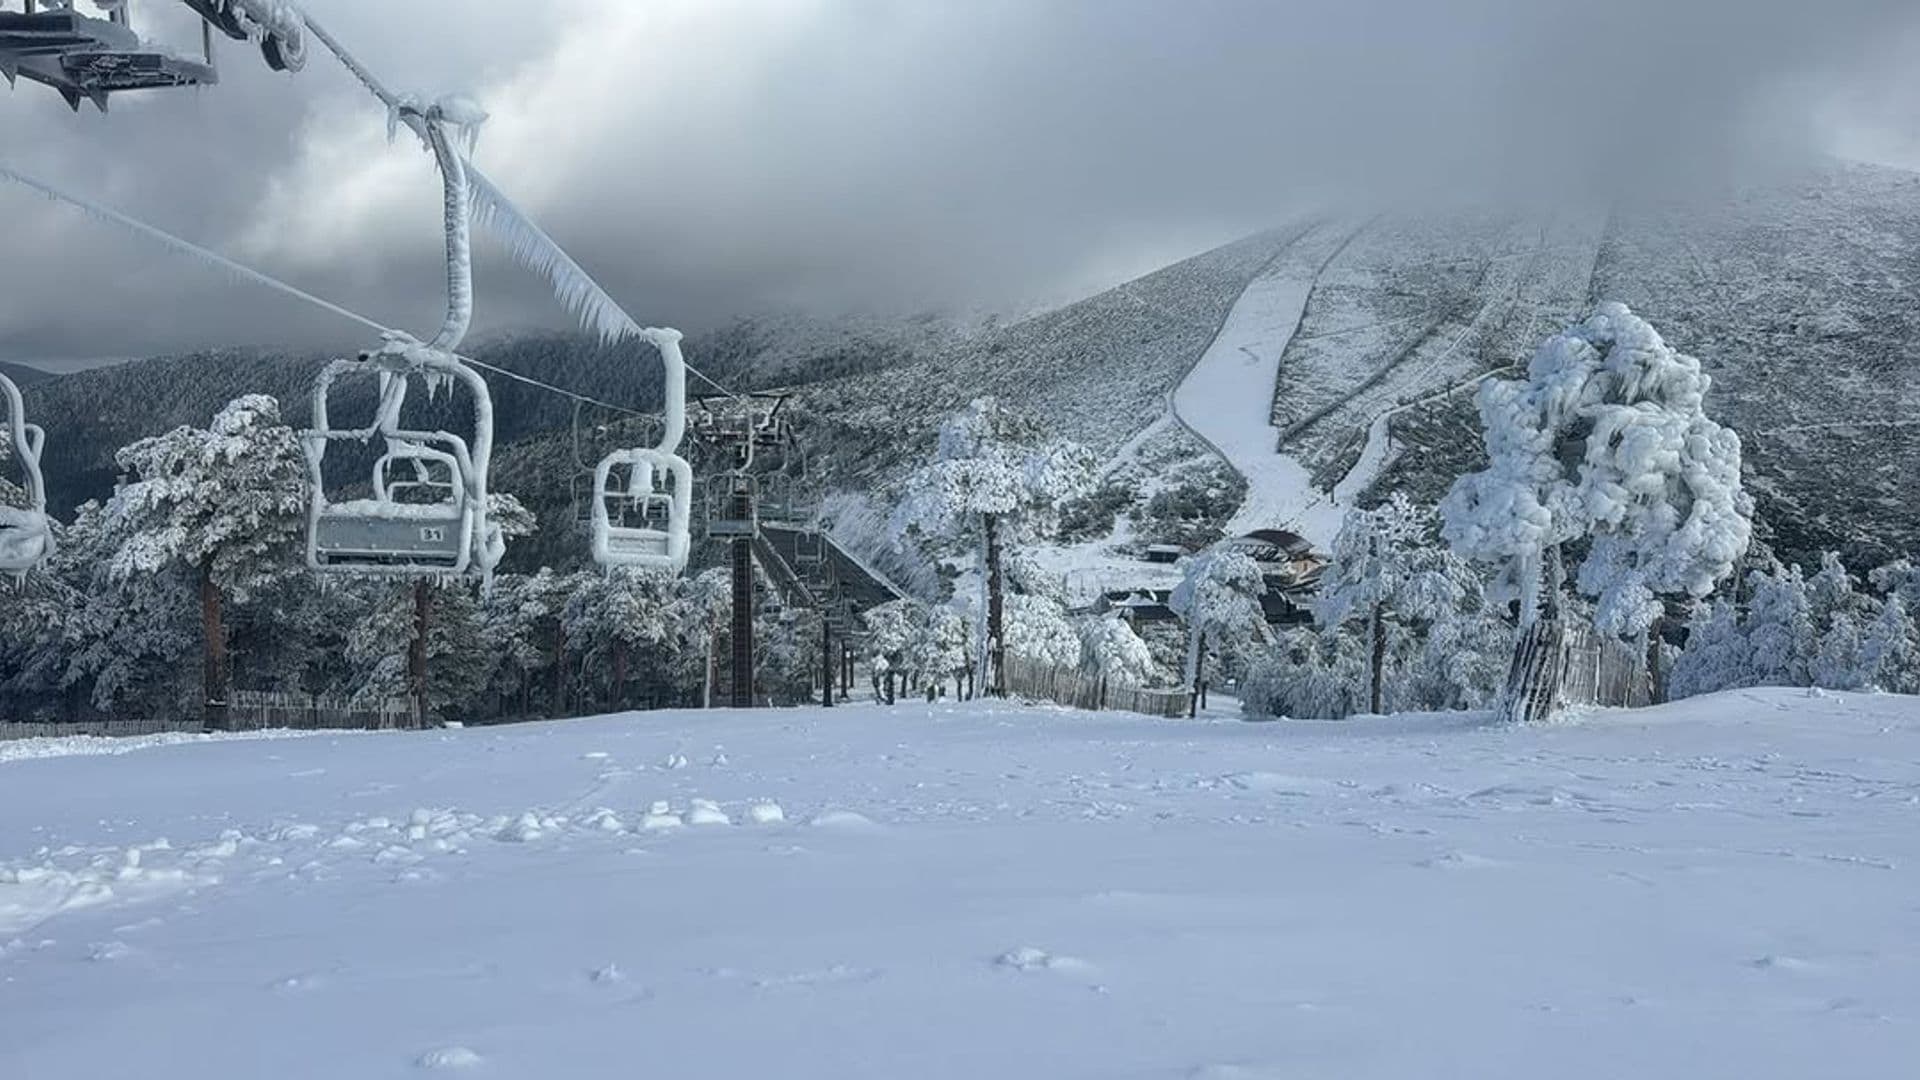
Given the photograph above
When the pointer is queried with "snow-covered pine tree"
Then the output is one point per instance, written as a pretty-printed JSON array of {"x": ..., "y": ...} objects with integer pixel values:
[
  {"x": 1389, "y": 572},
  {"x": 1718, "y": 655},
  {"x": 1606, "y": 440},
  {"x": 227, "y": 501},
  {"x": 940, "y": 647},
  {"x": 1111, "y": 649},
  {"x": 1219, "y": 598},
  {"x": 1779, "y": 626},
  {"x": 891, "y": 629},
  {"x": 992, "y": 479},
  {"x": 616, "y": 624},
  {"x": 1890, "y": 649}
]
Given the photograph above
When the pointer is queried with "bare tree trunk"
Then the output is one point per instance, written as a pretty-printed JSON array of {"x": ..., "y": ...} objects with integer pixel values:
[
  {"x": 1656, "y": 677},
  {"x": 213, "y": 633},
  {"x": 559, "y": 669},
  {"x": 828, "y": 662},
  {"x": 417, "y": 650},
  {"x": 1199, "y": 675},
  {"x": 620, "y": 673},
  {"x": 1379, "y": 659}
]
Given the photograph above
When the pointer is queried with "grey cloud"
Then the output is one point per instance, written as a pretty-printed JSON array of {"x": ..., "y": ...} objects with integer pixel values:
[{"x": 913, "y": 153}]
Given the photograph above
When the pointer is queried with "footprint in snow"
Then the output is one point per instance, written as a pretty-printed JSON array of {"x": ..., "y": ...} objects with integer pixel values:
[
  {"x": 1026, "y": 958},
  {"x": 1457, "y": 860}
]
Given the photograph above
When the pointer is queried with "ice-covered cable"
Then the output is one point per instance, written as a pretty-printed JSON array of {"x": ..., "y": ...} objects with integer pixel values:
[
  {"x": 183, "y": 247},
  {"x": 246, "y": 273}
]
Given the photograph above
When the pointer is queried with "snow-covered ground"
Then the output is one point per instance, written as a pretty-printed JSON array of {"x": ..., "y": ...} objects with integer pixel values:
[
  {"x": 1725, "y": 887},
  {"x": 1227, "y": 399}
]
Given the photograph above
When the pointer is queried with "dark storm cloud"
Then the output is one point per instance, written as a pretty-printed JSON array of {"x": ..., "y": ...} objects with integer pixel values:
[{"x": 709, "y": 157}]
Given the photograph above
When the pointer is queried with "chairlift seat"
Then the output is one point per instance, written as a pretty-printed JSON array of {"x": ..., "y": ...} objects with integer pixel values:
[
  {"x": 87, "y": 59},
  {"x": 376, "y": 536},
  {"x": 654, "y": 543},
  {"x": 25, "y": 538}
]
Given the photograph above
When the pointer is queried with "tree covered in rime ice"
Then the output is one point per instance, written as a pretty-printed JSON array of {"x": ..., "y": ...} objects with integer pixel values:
[
  {"x": 1402, "y": 624},
  {"x": 227, "y": 501},
  {"x": 1794, "y": 630},
  {"x": 1606, "y": 440},
  {"x": 1389, "y": 573},
  {"x": 1219, "y": 599},
  {"x": 993, "y": 481},
  {"x": 1111, "y": 649}
]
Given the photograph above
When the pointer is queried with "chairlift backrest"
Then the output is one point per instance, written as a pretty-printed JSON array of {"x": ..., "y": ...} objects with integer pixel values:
[
  {"x": 391, "y": 533},
  {"x": 651, "y": 544},
  {"x": 26, "y": 534}
]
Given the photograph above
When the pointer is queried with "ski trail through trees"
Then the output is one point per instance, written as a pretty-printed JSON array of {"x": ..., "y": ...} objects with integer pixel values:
[{"x": 1227, "y": 399}]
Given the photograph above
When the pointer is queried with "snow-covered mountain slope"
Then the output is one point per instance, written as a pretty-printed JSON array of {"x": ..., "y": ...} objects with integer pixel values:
[
  {"x": 1097, "y": 371},
  {"x": 1723, "y": 887},
  {"x": 1796, "y": 297}
]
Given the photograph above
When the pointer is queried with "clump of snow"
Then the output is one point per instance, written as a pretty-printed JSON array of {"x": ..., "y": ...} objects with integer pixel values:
[
  {"x": 707, "y": 812},
  {"x": 660, "y": 816},
  {"x": 766, "y": 813},
  {"x": 846, "y": 820},
  {"x": 528, "y": 826},
  {"x": 450, "y": 1057}
]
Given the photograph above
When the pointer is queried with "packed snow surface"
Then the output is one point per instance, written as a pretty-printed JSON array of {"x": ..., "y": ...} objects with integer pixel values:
[
  {"x": 1724, "y": 887},
  {"x": 1227, "y": 399}
]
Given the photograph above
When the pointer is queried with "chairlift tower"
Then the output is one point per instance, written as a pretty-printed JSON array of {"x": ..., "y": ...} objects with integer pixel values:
[{"x": 747, "y": 431}]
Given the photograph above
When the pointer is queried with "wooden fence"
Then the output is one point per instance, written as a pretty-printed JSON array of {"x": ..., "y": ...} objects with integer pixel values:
[
  {"x": 105, "y": 729},
  {"x": 1557, "y": 664},
  {"x": 248, "y": 711},
  {"x": 257, "y": 711},
  {"x": 1603, "y": 670},
  {"x": 1081, "y": 689}
]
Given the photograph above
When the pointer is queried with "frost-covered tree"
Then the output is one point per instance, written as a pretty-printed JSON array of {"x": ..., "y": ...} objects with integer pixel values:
[
  {"x": 1606, "y": 441},
  {"x": 1219, "y": 599},
  {"x": 1111, "y": 649},
  {"x": 1890, "y": 650},
  {"x": 227, "y": 501},
  {"x": 1039, "y": 631},
  {"x": 891, "y": 630},
  {"x": 992, "y": 481},
  {"x": 1389, "y": 572},
  {"x": 941, "y": 647},
  {"x": 1718, "y": 655},
  {"x": 1779, "y": 627},
  {"x": 1308, "y": 676},
  {"x": 616, "y": 621}
]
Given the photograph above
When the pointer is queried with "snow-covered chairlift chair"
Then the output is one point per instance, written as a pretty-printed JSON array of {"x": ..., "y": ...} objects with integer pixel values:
[
  {"x": 427, "y": 511},
  {"x": 654, "y": 527},
  {"x": 26, "y": 533}
]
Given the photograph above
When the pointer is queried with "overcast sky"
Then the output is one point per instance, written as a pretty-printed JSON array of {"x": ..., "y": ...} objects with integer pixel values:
[{"x": 706, "y": 158}]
